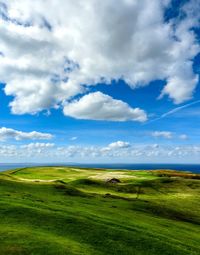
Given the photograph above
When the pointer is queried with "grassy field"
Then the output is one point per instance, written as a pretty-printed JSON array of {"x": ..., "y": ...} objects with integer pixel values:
[{"x": 61, "y": 210}]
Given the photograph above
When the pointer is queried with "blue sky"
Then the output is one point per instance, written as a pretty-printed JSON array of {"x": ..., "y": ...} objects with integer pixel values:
[{"x": 82, "y": 91}]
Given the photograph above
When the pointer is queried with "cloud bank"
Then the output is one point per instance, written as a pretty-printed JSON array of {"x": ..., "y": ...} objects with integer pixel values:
[
  {"x": 48, "y": 57},
  {"x": 117, "y": 151}
]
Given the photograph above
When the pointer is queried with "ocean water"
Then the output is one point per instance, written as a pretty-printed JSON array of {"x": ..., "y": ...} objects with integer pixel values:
[{"x": 183, "y": 167}]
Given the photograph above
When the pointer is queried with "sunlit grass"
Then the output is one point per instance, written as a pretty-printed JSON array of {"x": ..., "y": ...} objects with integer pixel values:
[{"x": 60, "y": 210}]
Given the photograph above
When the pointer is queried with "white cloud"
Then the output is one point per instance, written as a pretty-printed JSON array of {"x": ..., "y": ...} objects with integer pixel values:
[
  {"x": 9, "y": 133},
  {"x": 168, "y": 135},
  {"x": 74, "y": 138},
  {"x": 32, "y": 146},
  {"x": 98, "y": 106},
  {"x": 27, "y": 152},
  {"x": 119, "y": 145},
  {"x": 164, "y": 134},
  {"x": 34, "y": 150},
  {"x": 49, "y": 152},
  {"x": 183, "y": 137},
  {"x": 115, "y": 148},
  {"x": 50, "y": 56}
]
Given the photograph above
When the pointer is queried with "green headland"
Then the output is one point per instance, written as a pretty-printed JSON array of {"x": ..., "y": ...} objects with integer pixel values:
[{"x": 68, "y": 210}]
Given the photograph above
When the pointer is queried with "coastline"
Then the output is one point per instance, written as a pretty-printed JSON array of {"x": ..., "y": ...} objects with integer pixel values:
[{"x": 194, "y": 168}]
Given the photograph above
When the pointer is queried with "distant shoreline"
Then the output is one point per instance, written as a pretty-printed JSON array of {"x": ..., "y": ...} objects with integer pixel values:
[{"x": 194, "y": 168}]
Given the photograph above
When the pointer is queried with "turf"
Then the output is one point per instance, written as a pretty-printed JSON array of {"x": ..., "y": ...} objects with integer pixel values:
[{"x": 61, "y": 210}]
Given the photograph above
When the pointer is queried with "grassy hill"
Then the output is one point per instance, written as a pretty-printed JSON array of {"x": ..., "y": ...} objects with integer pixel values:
[{"x": 61, "y": 210}]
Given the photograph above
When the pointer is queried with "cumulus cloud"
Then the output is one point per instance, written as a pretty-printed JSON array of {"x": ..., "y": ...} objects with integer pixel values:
[
  {"x": 115, "y": 149},
  {"x": 164, "y": 134},
  {"x": 119, "y": 145},
  {"x": 98, "y": 106},
  {"x": 48, "y": 57},
  {"x": 9, "y": 133}
]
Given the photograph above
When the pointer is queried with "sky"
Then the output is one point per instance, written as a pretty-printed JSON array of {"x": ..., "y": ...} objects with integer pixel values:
[{"x": 99, "y": 82}]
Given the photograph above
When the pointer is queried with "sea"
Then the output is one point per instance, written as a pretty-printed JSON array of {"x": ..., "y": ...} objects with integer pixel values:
[{"x": 194, "y": 168}]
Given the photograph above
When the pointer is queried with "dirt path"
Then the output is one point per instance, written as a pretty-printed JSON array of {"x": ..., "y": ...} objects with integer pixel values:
[{"x": 36, "y": 180}]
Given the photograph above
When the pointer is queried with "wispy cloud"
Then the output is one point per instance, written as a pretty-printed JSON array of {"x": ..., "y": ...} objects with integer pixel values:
[
  {"x": 74, "y": 138},
  {"x": 175, "y": 110},
  {"x": 183, "y": 137},
  {"x": 168, "y": 135},
  {"x": 164, "y": 134}
]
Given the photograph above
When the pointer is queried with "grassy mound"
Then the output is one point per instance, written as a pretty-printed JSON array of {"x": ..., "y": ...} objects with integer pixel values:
[{"x": 60, "y": 210}]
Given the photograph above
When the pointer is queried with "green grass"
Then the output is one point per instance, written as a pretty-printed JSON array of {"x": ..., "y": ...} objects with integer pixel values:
[{"x": 60, "y": 210}]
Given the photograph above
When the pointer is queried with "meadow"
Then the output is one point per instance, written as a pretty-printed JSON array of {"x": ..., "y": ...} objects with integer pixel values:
[{"x": 69, "y": 210}]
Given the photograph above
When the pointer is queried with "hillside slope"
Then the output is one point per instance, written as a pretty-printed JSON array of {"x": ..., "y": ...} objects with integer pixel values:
[{"x": 60, "y": 210}]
